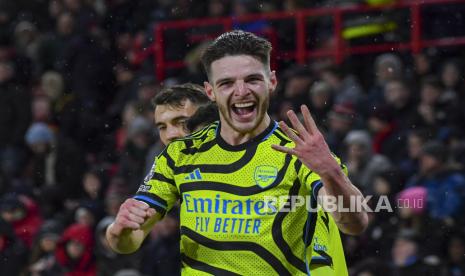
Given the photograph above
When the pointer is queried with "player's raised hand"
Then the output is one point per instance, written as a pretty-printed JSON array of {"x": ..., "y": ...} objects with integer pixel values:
[
  {"x": 310, "y": 145},
  {"x": 131, "y": 215}
]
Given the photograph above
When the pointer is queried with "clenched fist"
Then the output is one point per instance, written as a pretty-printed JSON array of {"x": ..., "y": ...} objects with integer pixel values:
[{"x": 131, "y": 215}]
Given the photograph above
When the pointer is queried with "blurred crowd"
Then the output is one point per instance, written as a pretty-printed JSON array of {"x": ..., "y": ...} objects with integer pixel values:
[{"x": 77, "y": 137}]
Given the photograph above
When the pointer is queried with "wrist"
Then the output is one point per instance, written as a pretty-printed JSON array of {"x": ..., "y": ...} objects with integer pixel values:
[{"x": 331, "y": 171}]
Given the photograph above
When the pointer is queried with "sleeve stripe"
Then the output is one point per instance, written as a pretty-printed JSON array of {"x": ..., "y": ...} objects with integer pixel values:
[
  {"x": 160, "y": 177},
  {"x": 150, "y": 200}
]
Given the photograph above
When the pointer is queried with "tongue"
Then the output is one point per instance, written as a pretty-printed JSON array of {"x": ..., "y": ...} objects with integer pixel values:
[{"x": 244, "y": 110}]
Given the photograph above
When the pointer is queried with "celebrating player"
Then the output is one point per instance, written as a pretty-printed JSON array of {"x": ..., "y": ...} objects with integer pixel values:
[{"x": 228, "y": 177}]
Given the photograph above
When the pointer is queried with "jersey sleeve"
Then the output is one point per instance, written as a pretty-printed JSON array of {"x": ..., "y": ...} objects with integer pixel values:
[{"x": 159, "y": 188}]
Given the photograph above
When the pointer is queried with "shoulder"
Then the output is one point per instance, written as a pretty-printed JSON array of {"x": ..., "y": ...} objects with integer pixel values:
[{"x": 193, "y": 142}]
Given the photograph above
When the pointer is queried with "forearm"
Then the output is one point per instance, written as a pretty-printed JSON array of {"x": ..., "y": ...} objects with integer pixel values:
[
  {"x": 127, "y": 241},
  {"x": 337, "y": 185}
]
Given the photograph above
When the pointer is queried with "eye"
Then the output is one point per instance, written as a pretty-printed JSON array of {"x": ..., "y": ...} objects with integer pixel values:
[
  {"x": 160, "y": 128},
  {"x": 253, "y": 79},
  {"x": 225, "y": 84}
]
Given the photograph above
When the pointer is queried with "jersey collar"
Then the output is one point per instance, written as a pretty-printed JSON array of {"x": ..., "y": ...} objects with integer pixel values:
[{"x": 255, "y": 140}]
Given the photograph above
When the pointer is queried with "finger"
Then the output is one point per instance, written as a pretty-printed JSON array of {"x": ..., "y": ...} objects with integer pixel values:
[
  {"x": 135, "y": 218},
  {"x": 126, "y": 223},
  {"x": 308, "y": 120},
  {"x": 291, "y": 134},
  {"x": 137, "y": 211},
  {"x": 284, "y": 149},
  {"x": 296, "y": 124},
  {"x": 139, "y": 204}
]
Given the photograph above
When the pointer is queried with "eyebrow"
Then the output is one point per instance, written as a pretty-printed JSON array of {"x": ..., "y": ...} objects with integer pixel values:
[
  {"x": 174, "y": 119},
  {"x": 255, "y": 75}
]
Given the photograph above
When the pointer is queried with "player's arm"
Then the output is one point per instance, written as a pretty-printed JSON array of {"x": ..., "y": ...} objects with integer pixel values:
[
  {"x": 133, "y": 223},
  {"x": 351, "y": 223},
  {"x": 313, "y": 152},
  {"x": 137, "y": 216}
]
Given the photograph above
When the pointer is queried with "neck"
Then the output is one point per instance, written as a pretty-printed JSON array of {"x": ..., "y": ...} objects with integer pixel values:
[{"x": 234, "y": 138}]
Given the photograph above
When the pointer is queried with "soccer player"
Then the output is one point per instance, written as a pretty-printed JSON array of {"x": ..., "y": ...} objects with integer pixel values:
[
  {"x": 174, "y": 106},
  {"x": 229, "y": 176}
]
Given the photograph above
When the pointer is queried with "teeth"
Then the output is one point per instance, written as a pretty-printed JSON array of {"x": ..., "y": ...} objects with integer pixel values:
[{"x": 243, "y": 105}]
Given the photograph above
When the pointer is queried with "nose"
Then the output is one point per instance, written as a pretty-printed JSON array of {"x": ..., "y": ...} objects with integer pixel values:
[
  {"x": 240, "y": 89},
  {"x": 173, "y": 132}
]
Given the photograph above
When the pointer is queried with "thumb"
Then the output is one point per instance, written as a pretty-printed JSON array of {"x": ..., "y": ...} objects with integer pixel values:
[{"x": 151, "y": 212}]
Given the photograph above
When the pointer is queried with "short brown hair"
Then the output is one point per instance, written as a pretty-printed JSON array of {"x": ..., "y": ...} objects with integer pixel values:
[
  {"x": 176, "y": 95},
  {"x": 237, "y": 43}
]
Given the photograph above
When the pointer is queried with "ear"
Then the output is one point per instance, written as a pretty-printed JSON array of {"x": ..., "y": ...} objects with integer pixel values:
[
  {"x": 273, "y": 81},
  {"x": 209, "y": 91}
]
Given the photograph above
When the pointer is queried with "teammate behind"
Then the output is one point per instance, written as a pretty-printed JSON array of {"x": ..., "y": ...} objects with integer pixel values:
[{"x": 227, "y": 176}]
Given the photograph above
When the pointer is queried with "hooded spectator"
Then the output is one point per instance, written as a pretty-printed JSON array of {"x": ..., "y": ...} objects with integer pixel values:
[
  {"x": 362, "y": 163},
  {"x": 74, "y": 253},
  {"x": 23, "y": 214},
  {"x": 57, "y": 166},
  {"x": 42, "y": 259}
]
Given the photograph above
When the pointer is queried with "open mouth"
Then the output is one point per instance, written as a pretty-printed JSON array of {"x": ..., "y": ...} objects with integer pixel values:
[{"x": 243, "y": 110}]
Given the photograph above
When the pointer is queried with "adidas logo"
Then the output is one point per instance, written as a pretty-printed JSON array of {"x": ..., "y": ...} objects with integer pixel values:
[{"x": 195, "y": 175}]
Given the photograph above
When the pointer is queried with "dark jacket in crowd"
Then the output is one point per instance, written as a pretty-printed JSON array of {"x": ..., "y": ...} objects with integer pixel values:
[{"x": 13, "y": 253}]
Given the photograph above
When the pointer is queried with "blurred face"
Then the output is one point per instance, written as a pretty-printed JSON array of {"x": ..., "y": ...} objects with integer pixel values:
[
  {"x": 65, "y": 24},
  {"x": 83, "y": 216},
  {"x": 92, "y": 184},
  {"x": 74, "y": 249},
  {"x": 241, "y": 87},
  {"x": 297, "y": 85},
  {"x": 357, "y": 151},
  {"x": 381, "y": 186},
  {"x": 171, "y": 120},
  {"x": 428, "y": 163},
  {"x": 396, "y": 93},
  {"x": 41, "y": 110},
  {"x": 6, "y": 71},
  {"x": 320, "y": 100},
  {"x": 147, "y": 92},
  {"x": 456, "y": 250},
  {"x": 414, "y": 146},
  {"x": 40, "y": 148},
  {"x": 403, "y": 249},
  {"x": 216, "y": 8},
  {"x": 48, "y": 244},
  {"x": 450, "y": 75},
  {"x": 421, "y": 63},
  {"x": 339, "y": 125},
  {"x": 429, "y": 95}
]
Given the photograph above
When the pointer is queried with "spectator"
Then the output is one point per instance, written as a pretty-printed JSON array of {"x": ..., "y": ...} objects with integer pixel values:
[
  {"x": 346, "y": 87},
  {"x": 13, "y": 253},
  {"x": 455, "y": 262},
  {"x": 321, "y": 101},
  {"x": 387, "y": 137},
  {"x": 55, "y": 161},
  {"x": 387, "y": 67},
  {"x": 362, "y": 163},
  {"x": 42, "y": 259},
  {"x": 398, "y": 98},
  {"x": 341, "y": 119},
  {"x": 446, "y": 187},
  {"x": 407, "y": 259},
  {"x": 132, "y": 163},
  {"x": 74, "y": 252},
  {"x": 23, "y": 215}
]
